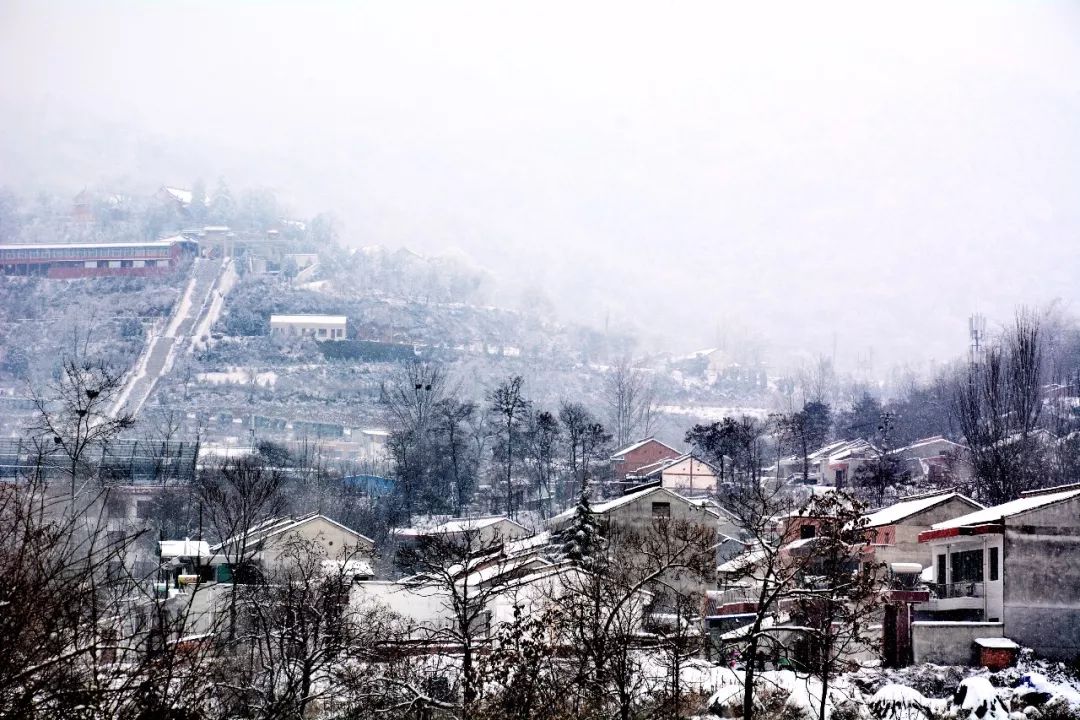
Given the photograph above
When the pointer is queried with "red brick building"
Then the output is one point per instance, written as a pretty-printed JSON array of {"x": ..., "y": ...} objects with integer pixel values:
[
  {"x": 637, "y": 455},
  {"x": 76, "y": 260}
]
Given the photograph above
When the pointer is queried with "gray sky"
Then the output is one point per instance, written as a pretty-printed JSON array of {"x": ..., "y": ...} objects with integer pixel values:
[{"x": 873, "y": 170}]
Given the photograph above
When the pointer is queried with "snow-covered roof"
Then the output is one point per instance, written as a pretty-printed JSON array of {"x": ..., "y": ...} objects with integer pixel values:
[
  {"x": 651, "y": 468},
  {"x": 911, "y": 506},
  {"x": 851, "y": 449},
  {"x": 927, "y": 441},
  {"x": 278, "y": 526},
  {"x": 456, "y": 525},
  {"x": 527, "y": 544},
  {"x": 608, "y": 506},
  {"x": 313, "y": 319},
  {"x": 505, "y": 567},
  {"x": 184, "y": 196},
  {"x": 827, "y": 450},
  {"x": 801, "y": 542},
  {"x": 81, "y": 246},
  {"x": 635, "y": 445},
  {"x": 462, "y": 524},
  {"x": 742, "y": 561},
  {"x": 706, "y": 352},
  {"x": 707, "y": 503},
  {"x": 184, "y": 548},
  {"x": 1014, "y": 507},
  {"x": 660, "y": 465}
]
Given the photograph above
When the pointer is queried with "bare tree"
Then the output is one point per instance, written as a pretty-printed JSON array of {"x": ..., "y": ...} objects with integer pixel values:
[
  {"x": 605, "y": 604},
  {"x": 523, "y": 674},
  {"x": 297, "y": 631},
  {"x": 410, "y": 399},
  {"x": 575, "y": 418},
  {"x": 630, "y": 401},
  {"x": 76, "y": 415},
  {"x": 452, "y": 421},
  {"x": 445, "y": 567},
  {"x": 997, "y": 404},
  {"x": 882, "y": 470},
  {"x": 84, "y": 638},
  {"x": 738, "y": 444},
  {"x": 681, "y": 636},
  {"x": 818, "y": 381},
  {"x": 587, "y": 443},
  {"x": 509, "y": 406},
  {"x": 839, "y": 595},
  {"x": 541, "y": 439},
  {"x": 234, "y": 499}
]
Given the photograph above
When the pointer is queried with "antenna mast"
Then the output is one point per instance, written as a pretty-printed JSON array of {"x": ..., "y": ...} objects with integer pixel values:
[{"x": 977, "y": 333}]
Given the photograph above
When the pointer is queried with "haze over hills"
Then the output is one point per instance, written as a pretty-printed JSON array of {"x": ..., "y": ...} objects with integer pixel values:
[{"x": 822, "y": 188}]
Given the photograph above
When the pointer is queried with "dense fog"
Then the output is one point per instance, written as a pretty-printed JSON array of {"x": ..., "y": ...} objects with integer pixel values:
[{"x": 836, "y": 178}]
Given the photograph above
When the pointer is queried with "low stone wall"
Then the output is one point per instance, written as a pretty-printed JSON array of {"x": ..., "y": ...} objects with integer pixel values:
[{"x": 950, "y": 643}]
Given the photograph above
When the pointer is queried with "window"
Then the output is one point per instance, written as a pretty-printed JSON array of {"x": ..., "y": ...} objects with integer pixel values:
[
  {"x": 941, "y": 570},
  {"x": 143, "y": 509},
  {"x": 807, "y": 531},
  {"x": 993, "y": 563},
  {"x": 661, "y": 510},
  {"x": 967, "y": 566},
  {"x": 841, "y": 476}
]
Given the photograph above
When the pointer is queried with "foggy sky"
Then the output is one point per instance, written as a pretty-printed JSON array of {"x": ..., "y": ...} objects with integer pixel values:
[{"x": 863, "y": 174}]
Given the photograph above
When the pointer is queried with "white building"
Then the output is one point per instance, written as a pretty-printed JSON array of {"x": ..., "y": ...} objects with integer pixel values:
[
  {"x": 1004, "y": 571},
  {"x": 320, "y": 327}
]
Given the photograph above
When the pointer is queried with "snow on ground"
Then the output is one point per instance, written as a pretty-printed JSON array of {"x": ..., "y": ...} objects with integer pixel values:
[
  {"x": 184, "y": 308},
  {"x": 713, "y": 412},
  {"x": 225, "y": 283}
]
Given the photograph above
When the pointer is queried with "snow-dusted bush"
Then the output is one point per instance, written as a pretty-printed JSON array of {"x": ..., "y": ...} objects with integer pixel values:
[
  {"x": 899, "y": 702},
  {"x": 977, "y": 699}
]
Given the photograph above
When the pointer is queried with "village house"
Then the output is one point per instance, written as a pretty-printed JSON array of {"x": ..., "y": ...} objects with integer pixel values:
[
  {"x": 263, "y": 546},
  {"x": 320, "y": 327},
  {"x": 481, "y": 530},
  {"x": 934, "y": 460},
  {"x": 1007, "y": 571},
  {"x": 689, "y": 475},
  {"x": 893, "y": 531},
  {"x": 833, "y": 465},
  {"x": 523, "y": 572},
  {"x": 643, "y": 508},
  {"x": 631, "y": 458},
  {"x": 197, "y": 580},
  {"x": 178, "y": 198}
]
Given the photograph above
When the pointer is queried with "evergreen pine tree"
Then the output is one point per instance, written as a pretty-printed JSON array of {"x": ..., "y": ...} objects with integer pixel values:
[{"x": 582, "y": 541}]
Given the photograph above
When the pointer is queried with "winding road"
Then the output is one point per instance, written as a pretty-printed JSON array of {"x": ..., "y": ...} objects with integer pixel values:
[{"x": 195, "y": 312}]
